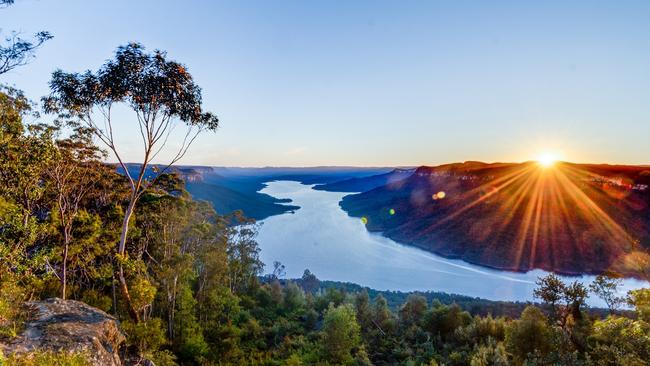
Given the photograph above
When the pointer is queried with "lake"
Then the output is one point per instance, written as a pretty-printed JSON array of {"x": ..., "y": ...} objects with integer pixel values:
[{"x": 321, "y": 236}]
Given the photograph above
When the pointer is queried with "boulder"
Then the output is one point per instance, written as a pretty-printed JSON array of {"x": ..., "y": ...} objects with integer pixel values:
[{"x": 70, "y": 326}]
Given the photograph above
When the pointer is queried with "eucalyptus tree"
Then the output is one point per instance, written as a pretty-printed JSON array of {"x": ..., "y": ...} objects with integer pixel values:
[
  {"x": 17, "y": 51},
  {"x": 162, "y": 95},
  {"x": 606, "y": 287},
  {"x": 25, "y": 151},
  {"x": 73, "y": 173}
]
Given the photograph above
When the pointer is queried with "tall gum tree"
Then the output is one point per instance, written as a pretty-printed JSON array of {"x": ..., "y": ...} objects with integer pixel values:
[
  {"x": 17, "y": 51},
  {"x": 161, "y": 93}
]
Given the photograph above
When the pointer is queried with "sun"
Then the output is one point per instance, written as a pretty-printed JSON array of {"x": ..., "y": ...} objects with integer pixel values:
[{"x": 547, "y": 159}]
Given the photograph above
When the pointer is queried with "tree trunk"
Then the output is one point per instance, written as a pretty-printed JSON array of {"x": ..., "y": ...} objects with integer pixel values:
[
  {"x": 66, "y": 245},
  {"x": 121, "y": 250},
  {"x": 127, "y": 298},
  {"x": 64, "y": 270},
  {"x": 125, "y": 224},
  {"x": 114, "y": 294}
]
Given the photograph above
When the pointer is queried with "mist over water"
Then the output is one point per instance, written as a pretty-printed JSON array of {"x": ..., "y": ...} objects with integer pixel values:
[{"x": 321, "y": 237}]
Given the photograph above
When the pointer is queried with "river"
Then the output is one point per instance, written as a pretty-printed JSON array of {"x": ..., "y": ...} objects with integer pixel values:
[{"x": 321, "y": 237}]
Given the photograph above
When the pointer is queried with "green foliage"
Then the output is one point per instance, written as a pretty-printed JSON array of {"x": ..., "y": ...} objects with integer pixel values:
[
  {"x": 620, "y": 341},
  {"x": 341, "y": 334},
  {"x": 528, "y": 335},
  {"x": 17, "y": 51},
  {"x": 640, "y": 299},
  {"x": 147, "y": 337},
  {"x": 40, "y": 358},
  {"x": 490, "y": 354},
  {"x": 12, "y": 313},
  {"x": 606, "y": 287}
]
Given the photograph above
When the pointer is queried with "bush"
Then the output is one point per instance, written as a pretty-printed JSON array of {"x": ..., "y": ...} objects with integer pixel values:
[
  {"x": 528, "y": 335},
  {"x": 146, "y": 337},
  {"x": 40, "y": 358}
]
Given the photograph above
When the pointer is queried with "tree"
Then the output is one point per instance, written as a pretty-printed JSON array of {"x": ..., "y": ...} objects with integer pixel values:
[
  {"x": 606, "y": 287},
  {"x": 160, "y": 92},
  {"x": 620, "y": 341},
  {"x": 413, "y": 309},
  {"x": 18, "y": 51},
  {"x": 528, "y": 335},
  {"x": 575, "y": 295},
  {"x": 341, "y": 333},
  {"x": 279, "y": 271},
  {"x": 550, "y": 289},
  {"x": 73, "y": 172},
  {"x": 309, "y": 281},
  {"x": 640, "y": 299},
  {"x": 244, "y": 264},
  {"x": 563, "y": 299},
  {"x": 25, "y": 152},
  {"x": 490, "y": 354}
]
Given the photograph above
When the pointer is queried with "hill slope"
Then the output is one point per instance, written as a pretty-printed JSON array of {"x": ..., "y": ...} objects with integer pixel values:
[
  {"x": 569, "y": 218},
  {"x": 363, "y": 184}
]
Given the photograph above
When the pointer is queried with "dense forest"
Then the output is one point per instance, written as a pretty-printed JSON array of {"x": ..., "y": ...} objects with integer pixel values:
[{"x": 186, "y": 282}]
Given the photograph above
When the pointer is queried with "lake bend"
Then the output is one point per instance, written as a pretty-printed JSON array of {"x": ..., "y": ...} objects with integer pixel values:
[{"x": 321, "y": 237}]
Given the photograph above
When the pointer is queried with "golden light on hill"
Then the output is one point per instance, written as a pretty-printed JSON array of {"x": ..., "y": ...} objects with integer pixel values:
[{"x": 550, "y": 214}]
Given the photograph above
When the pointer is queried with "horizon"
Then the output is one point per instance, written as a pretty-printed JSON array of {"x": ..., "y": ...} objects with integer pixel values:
[
  {"x": 375, "y": 83},
  {"x": 533, "y": 161}
]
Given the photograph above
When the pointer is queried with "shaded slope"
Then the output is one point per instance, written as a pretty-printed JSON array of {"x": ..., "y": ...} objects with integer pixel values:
[
  {"x": 233, "y": 188},
  {"x": 225, "y": 200},
  {"x": 364, "y": 184}
]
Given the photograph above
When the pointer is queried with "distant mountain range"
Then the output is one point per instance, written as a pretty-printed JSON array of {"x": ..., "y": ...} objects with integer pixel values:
[
  {"x": 363, "y": 184},
  {"x": 235, "y": 188},
  {"x": 569, "y": 218}
]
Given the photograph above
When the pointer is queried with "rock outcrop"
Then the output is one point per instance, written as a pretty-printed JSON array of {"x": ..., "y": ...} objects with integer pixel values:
[{"x": 71, "y": 326}]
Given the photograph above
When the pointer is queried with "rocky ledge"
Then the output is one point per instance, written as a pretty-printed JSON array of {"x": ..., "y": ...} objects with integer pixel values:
[{"x": 70, "y": 326}]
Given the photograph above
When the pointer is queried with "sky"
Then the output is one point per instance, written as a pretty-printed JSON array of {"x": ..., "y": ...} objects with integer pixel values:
[{"x": 375, "y": 83}]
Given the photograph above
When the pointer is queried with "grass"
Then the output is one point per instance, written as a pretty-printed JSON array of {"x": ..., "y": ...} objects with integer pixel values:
[{"x": 38, "y": 358}]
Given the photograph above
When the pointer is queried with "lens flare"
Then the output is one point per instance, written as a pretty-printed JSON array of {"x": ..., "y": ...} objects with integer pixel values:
[
  {"x": 541, "y": 208},
  {"x": 547, "y": 160}
]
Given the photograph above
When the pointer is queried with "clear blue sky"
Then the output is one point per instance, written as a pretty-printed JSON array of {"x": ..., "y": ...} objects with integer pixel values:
[{"x": 299, "y": 83}]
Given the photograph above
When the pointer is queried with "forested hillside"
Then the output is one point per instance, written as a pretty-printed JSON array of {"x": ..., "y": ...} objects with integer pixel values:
[
  {"x": 232, "y": 189},
  {"x": 363, "y": 184},
  {"x": 569, "y": 218}
]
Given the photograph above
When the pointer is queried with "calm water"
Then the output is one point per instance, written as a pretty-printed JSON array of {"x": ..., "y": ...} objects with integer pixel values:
[{"x": 320, "y": 236}]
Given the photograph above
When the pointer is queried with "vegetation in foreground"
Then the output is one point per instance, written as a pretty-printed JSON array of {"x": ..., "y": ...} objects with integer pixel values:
[
  {"x": 45, "y": 358},
  {"x": 194, "y": 281},
  {"x": 185, "y": 280}
]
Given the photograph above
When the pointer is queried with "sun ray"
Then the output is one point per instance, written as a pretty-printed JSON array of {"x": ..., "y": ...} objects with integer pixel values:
[{"x": 549, "y": 214}]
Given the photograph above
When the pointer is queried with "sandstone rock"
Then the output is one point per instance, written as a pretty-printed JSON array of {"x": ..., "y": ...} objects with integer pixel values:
[{"x": 71, "y": 326}]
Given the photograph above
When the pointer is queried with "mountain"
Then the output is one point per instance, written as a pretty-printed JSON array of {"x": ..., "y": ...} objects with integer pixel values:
[
  {"x": 236, "y": 188},
  {"x": 230, "y": 189},
  {"x": 225, "y": 200},
  {"x": 363, "y": 184},
  {"x": 569, "y": 218}
]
